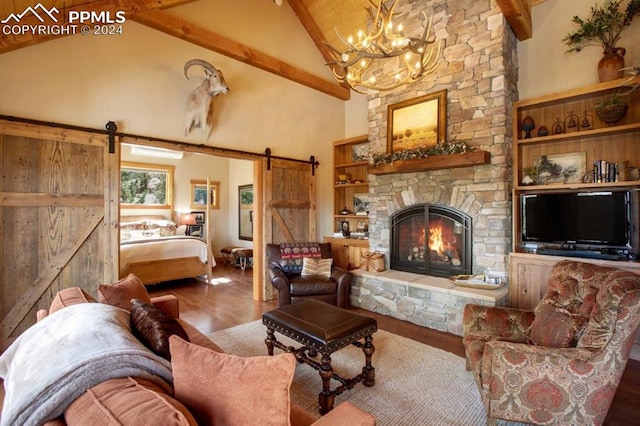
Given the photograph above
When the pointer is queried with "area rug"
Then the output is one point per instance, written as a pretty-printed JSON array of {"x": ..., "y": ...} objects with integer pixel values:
[{"x": 415, "y": 384}]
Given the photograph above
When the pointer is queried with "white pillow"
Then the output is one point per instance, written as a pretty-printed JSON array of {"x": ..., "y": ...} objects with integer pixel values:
[{"x": 316, "y": 267}]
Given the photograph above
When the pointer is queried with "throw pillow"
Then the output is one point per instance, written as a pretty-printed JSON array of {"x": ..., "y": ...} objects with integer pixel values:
[
  {"x": 316, "y": 267},
  {"x": 127, "y": 401},
  {"x": 555, "y": 329},
  {"x": 121, "y": 292},
  {"x": 225, "y": 389},
  {"x": 69, "y": 296},
  {"x": 153, "y": 327}
]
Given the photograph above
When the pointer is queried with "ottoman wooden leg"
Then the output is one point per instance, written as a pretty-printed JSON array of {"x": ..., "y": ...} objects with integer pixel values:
[
  {"x": 270, "y": 341},
  {"x": 368, "y": 371},
  {"x": 325, "y": 398}
]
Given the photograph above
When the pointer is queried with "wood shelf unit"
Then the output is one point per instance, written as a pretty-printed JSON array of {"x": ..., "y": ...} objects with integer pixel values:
[
  {"x": 529, "y": 272},
  {"x": 346, "y": 162},
  {"x": 613, "y": 143}
]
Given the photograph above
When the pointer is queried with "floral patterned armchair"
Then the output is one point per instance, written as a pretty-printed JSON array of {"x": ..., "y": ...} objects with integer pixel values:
[{"x": 562, "y": 362}]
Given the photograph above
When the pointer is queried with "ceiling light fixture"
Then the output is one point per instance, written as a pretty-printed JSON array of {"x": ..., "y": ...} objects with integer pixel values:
[
  {"x": 385, "y": 41},
  {"x": 151, "y": 151}
]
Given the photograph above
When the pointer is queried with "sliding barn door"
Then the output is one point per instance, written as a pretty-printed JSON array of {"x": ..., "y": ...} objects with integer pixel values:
[
  {"x": 289, "y": 191},
  {"x": 58, "y": 213}
]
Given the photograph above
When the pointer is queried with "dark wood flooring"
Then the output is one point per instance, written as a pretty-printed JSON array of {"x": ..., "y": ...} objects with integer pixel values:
[{"x": 229, "y": 302}]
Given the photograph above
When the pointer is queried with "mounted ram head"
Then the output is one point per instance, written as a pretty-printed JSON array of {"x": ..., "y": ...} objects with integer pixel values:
[{"x": 199, "y": 102}]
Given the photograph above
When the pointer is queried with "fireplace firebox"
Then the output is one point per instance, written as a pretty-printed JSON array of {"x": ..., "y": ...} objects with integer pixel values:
[{"x": 431, "y": 239}]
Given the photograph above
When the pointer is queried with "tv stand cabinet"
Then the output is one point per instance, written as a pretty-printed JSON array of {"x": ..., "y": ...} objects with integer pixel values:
[{"x": 529, "y": 275}]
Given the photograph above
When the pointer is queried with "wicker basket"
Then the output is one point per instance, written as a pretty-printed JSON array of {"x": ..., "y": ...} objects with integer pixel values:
[{"x": 611, "y": 114}]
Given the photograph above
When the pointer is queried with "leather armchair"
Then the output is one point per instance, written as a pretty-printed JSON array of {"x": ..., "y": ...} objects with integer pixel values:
[
  {"x": 562, "y": 362},
  {"x": 292, "y": 287}
]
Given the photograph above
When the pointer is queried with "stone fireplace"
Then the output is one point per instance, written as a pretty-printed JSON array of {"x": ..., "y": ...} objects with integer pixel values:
[
  {"x": 431, "y": 239},
  {"x": 478, "y": 68}
]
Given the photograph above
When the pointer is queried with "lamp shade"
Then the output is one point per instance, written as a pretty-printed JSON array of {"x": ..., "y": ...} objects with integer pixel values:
[{"x": 188, "y": 219}]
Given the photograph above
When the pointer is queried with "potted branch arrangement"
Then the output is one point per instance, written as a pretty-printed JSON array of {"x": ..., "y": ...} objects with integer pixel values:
[{"x": 604, "y": 27}]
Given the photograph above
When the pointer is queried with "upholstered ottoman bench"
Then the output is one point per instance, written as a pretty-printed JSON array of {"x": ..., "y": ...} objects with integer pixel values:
[{"x": 241, "y": 257}]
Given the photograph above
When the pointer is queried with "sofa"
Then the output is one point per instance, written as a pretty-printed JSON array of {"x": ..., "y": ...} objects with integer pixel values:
[
  {"x": 139, "y": 363},
  {"x": 305, "y": 276}
]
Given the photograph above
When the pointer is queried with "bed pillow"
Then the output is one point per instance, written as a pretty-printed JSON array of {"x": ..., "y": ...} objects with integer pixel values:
[
  {"x": 316, "y": 267},
  {"x": 127, "y": 401},
  {"x": 153, "y": 327},
  {"x": 121, "y": 292},
  {"x": 260, "y": 385}
]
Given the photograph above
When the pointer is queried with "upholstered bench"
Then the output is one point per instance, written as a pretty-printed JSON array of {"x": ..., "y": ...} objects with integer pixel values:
[{"x": 240, "y": 256}]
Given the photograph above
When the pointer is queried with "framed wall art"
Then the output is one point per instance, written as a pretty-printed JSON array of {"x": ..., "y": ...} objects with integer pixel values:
[
  {"x": 199, "y": 196},
  {"x": 416, "y": 122},
  {"x": 361, "y": 204},
  {"x": 245, "y": 212},
  {"x": 561, "y": 168},
  {"x": 146, "y": 186}
]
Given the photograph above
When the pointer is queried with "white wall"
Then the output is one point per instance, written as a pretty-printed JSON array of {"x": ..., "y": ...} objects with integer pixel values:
[{"x": 544, "y": 65}]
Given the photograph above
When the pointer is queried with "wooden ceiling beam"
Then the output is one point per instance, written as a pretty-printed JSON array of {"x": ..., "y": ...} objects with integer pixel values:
[
  {"x": 202, "y": 37},
  {"x": 518, "y": 14},
  {"x": 129, "y": 7},
  {"x": 313, "y": 30}
]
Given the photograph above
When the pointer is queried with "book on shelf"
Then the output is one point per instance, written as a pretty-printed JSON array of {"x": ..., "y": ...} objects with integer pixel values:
[{"x": 605, "y": 171}]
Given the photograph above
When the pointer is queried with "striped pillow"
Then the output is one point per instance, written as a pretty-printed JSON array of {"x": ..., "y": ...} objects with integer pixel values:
[{"x": 316, "y": 267}]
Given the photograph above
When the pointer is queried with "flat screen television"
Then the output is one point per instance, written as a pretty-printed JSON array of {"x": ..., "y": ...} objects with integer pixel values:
[{"x": 593, "y": 220}]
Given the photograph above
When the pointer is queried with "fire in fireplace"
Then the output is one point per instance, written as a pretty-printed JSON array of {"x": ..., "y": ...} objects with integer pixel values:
[{"x": 431, "y": 239}]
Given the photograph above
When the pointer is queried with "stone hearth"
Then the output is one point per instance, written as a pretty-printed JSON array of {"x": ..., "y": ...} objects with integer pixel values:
[{"x": 424, "y": 300}]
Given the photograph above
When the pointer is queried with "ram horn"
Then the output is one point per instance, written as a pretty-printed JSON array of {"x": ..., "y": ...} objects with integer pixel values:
[{"x": 202, "y": 63}]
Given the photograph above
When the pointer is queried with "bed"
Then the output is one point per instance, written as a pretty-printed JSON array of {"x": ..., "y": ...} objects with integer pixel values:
[{"x": 152, "y": 249}]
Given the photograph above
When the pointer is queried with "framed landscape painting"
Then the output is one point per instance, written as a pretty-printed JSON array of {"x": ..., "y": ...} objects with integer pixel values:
[{"x": 417, "y": 122}]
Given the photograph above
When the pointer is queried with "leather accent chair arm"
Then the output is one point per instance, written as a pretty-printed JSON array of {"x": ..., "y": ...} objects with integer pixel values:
[
  {"x": 344, "y": 279},
  {"x": 280, "y": 281}
]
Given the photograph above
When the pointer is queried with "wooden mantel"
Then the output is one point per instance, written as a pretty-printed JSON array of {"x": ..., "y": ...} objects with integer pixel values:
[{"x": 436, "y": 162}]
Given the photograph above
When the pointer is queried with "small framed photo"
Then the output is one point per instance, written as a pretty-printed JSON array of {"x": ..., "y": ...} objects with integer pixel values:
[
  {"x": 361, "y": 204},
  {"x": 199, "y": 217},
  {"x": 195, "y": 230}
]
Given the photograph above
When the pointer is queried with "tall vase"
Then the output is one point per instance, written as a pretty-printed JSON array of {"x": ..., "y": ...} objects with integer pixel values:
[{"x": 611, "y": 63}]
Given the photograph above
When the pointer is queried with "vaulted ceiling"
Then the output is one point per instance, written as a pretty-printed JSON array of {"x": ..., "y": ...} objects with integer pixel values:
[{"x": 319, "y": 17}]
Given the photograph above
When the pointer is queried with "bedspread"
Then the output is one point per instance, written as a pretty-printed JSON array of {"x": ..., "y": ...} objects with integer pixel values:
[{"x": 133, "y": 251}]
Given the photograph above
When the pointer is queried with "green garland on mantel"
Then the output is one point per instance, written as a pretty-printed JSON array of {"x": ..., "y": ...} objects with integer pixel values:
[{"x": 440, "y": 148}]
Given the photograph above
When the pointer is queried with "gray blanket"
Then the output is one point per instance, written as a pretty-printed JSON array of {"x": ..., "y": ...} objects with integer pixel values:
[{"x": 55, "y": 361}]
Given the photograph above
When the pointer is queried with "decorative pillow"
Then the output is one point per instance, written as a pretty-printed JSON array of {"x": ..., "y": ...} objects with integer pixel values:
[
  {"x": 225, "y": 389},
  {"x": 120, "y": 293},
  {"x": 69, "y": 296},
  {"x": 153, "y": 327},
  {"x": 555, "y": 329},
  {"x": 316, "y": 267},
  {"x": 127, "y": 401}
]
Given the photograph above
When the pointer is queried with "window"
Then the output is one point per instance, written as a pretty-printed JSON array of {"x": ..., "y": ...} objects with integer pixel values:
[{"x": 147, "y": 186}]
